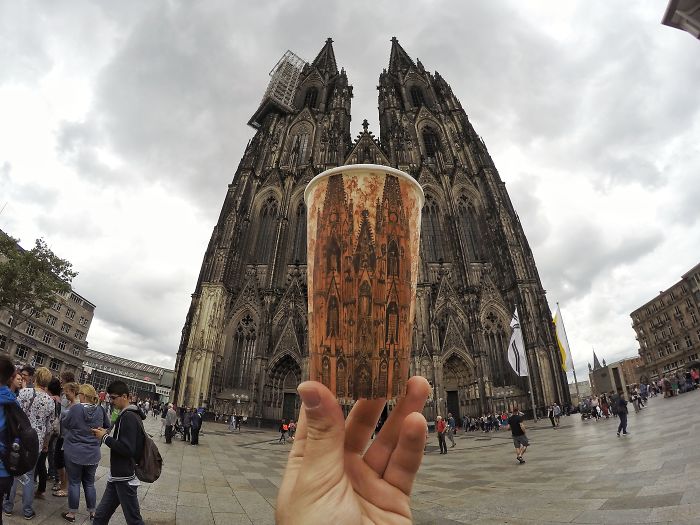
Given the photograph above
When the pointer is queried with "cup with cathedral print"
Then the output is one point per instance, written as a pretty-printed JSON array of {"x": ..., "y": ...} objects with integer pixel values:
[{"x": 363, "y": 235}]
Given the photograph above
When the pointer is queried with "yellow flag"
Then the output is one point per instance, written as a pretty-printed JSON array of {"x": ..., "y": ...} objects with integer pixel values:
[{"x": 562, "y": 341}]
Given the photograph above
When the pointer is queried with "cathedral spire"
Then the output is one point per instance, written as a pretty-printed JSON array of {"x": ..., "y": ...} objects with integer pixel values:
[
  {"x": 596, "y": 363},
  {"x": 325, "y": 60},
  {"x": 399, "y": 59}
]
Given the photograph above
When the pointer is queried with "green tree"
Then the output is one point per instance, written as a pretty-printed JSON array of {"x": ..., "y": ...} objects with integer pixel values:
[{"x": 30, "y": 279}]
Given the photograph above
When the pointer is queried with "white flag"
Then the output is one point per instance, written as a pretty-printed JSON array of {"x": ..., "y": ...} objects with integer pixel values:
[{"x": 516, "y": 348}]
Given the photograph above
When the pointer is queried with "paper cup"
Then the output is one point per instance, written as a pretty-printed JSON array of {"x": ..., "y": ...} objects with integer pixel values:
[{"x": 363, "y": 232}]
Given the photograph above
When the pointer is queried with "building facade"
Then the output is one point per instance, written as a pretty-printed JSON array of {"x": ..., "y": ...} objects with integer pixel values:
[
  {"x": 668, "y": 328},
  {"x": 144, "y": 381},
  {"x": 244, "y": 342},
  {"x": 55, "y": 338}
]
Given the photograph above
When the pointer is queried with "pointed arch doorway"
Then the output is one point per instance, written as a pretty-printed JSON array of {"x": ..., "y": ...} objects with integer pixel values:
[
  {"x": 281, "y": 400},
  {"x": 459, "y": 383}
]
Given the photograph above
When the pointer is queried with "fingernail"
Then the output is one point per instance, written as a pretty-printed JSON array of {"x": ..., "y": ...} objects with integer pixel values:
[{"x": 309, "y": 396}]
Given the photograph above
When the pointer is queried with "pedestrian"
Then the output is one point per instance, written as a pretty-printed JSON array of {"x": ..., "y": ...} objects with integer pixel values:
[
  {"x": 41, "y": 411},
  {"x": 622, "y": 413},
  {"x": 40, "y": 471},
  {"x": 557, "y": 413},
  {"x": 186, "y": 424},
  {"x": 517, "y": 430},
  {"x": 451, "y": 428},
  {"x": 16, "y": 383},
  {"x": 8, "y": 376},
  {"x": 170, "y": 420},
  {"x": 60, "y": 489},
  {"x": 163, "y": 414},
  {"x": 81, "y": 449},
  {"x": 125, "y": 447},
  {"x": 292, "y": 429},
  {"x": 441, "y": 428},
  {"x": 550, "y": 415},
  {"x": 283, "y": 431},
  {"x": 196, "y": 426},
  {"x": 28, "y": 376}
]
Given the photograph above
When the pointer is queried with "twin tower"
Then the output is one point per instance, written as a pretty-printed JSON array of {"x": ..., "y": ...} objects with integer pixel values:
[{"x": 244, "y": 346}]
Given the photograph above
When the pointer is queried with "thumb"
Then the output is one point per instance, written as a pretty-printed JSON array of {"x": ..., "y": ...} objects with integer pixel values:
[{"x": 323, "y": 462}]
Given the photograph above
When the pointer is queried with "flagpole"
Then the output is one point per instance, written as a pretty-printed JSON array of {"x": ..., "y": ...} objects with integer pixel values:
[
  {"x": 532, "y": 396},
  {"x": 571, "y": 354}
]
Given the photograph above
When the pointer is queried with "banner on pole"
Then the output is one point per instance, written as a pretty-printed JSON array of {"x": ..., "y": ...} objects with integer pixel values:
[
  {"x": 562, "y": 342},
  {"x": 516, "y": 347}
]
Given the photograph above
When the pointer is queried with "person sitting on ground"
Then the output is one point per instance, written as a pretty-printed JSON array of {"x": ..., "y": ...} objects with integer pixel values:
[{"x": 332, "y": 476}]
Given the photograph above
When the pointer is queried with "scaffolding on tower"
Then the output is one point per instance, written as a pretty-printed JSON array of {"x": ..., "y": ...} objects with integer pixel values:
[{"x": 280, "y": 92}]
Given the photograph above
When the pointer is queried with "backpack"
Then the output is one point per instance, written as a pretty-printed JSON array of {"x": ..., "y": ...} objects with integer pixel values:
[
  {"x": 17, "y": 428},
  {"x": 150, "y": 464}
]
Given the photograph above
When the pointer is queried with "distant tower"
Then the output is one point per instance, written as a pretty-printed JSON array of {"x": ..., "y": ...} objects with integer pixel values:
[{"x": 244, "y": 343}]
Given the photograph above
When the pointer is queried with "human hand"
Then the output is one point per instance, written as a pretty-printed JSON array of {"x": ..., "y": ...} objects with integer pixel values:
[
  {"x": 98, "y": 432},
  {"x": 330, "y": 478}
]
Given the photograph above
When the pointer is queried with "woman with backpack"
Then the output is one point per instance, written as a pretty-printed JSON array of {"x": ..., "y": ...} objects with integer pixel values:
[{"x": 81, "y": 449}]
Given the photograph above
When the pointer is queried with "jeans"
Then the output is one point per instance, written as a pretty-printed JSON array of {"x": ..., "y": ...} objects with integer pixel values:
[
  {"x": 451, "y": 436},
  {"x": 40, "y": 472},
  {"x": 623, "y": 423},
  {"x": 441, "y": 442},
  {"x": 5, "y": 485},
  {"x": 168, "y": 433},
  {"x": 186, "y": 433},
  {"x": 27, "y": 496},
  {"x": 78, "y": 474},
  {"x": 119, "y": 493},
  {"x": 195, "y": 436}
]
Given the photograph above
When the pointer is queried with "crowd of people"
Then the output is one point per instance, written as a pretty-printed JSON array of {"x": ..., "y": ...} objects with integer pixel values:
[{"x": 71, "y": 422}]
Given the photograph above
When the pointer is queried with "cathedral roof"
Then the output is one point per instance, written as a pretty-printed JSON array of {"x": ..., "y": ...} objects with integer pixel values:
[
  {"x": 366, "y": 145},
  {"x": 596, "y": 363},
  {"x": 325, "y": 60},
  {"x": 399, "y": 59}
]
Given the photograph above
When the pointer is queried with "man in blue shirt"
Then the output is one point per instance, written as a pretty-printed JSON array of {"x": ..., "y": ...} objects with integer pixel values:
[{"x": 7, "y": 372}]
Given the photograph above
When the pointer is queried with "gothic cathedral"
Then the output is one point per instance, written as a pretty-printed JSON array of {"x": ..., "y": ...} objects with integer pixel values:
[{"x": 244, "y": 343}]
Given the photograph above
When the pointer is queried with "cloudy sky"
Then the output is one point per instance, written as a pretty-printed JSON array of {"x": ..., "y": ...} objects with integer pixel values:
[{"x": 121, "y": 124}]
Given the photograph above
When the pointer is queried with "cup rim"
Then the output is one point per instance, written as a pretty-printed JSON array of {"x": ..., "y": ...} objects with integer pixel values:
[{"x": 364, "y": 167}]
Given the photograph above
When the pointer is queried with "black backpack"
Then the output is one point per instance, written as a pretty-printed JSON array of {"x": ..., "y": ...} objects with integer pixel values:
[
  {"x": 17, "y": 428},
  {"x": 150, "y": 463}
]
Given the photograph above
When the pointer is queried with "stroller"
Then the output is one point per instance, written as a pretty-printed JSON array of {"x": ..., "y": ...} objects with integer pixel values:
[
  {"x": 586, "y": 412},
  {"x": 178, "y": 430}
]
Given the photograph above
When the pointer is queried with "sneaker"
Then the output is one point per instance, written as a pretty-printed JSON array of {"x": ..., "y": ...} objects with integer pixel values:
[
  {"x": 618, "y": 434},
  {"x": 30, "y": 516},
  {"x": 625, "y": 433},
  {"x": 7, "y": 512},
  {"x": 521, "y": 460}
]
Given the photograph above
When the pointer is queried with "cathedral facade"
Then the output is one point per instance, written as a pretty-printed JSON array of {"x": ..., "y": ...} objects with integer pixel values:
[{"x": 244, "y": 345}]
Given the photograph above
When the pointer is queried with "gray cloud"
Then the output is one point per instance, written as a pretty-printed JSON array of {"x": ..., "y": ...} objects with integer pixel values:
[{"x": 603, "y": 98}]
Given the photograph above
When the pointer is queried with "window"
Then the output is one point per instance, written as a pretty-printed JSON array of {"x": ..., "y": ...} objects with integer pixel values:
[
  {"x": 670, "y": 330},
  {"x": 51, "y": 320},
  {"x": 310, "y": 97},
  {"x": 688, "y": 341},
  {"x": 76, "y": 351},
  {"x": 39, "y": 359},
  {"x": 55, "y": 364},
  {"x": 467, "y": 222},
  {"x": 300, "y": 235},
  {"x": 84, "y": 322},
  {"x": 666, "y": 316},
  {"x": 80, "y": 335},
  {"x": 3, "y": 342},
  {"x": 31, "y": 329},
  {"x": 47, "y": 338},
  {"x": 76, "y": 299},
  {"x": 430, "y": 140},
  {"x": 432, "y": 232},
  {"x": 61, "y": 345},
  {"x": 10, "y": 320},
  {"x": 56, "y": 306},
  {"x": 684, "y": 288},
  {"x": 70, "y": 314},
  {"x": 267, "y": 230},
  {"x": 689, "y": 303},
  {"x": 694, "y": 317},
  {"x": 298, "y": 151},
  {"x": 673, "y": 297},
  {"x": 417, "y": 96},
  {"x": 65, "y": 327},
  {"x": 676, "y": 346},
  {"x": 21, "y": 351},
  {"x": 681, "y": 321},
  {"x": 677, "y": 310}
]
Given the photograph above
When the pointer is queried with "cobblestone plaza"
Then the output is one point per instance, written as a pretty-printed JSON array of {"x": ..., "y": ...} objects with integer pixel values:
[{"x": 580, "y": 473}]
